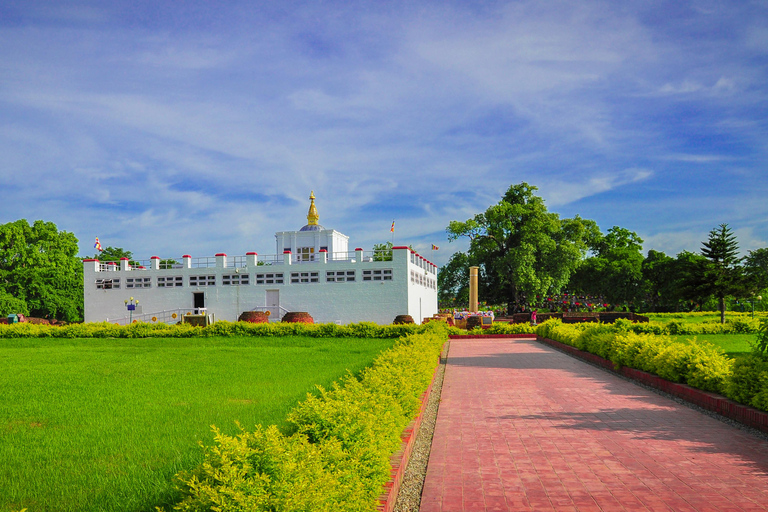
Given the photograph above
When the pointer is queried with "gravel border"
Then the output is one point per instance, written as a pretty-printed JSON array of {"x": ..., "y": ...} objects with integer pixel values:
[{"x": 409, "y": 496}]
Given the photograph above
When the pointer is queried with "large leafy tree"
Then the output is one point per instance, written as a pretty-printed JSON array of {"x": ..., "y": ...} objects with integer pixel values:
[
  {"x": 756, "y": 269},
  {"x": 453, "y": 281},
  {"x": 722, "y": 275},
  {"x": 39, "y": 268},
  {"x": 522, "y": 249},
  {"x": 615, "y": 272}
]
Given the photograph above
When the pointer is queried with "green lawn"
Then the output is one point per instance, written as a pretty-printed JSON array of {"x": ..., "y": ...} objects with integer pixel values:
[
  {"x": 104, "y": 424},
  {"x": 734, "y": 345},
  {"x": 700, "y": 318}
]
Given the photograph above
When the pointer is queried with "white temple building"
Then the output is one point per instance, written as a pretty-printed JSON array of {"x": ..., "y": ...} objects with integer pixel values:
[{"x": 313, "y": 271}]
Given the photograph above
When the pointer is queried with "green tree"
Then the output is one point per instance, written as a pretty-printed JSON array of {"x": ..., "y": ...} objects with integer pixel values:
[
  {"x": 722, "y": 274},
  {"x": 453, "y": 281},
  {"x": 756, "y": 269},
  {"x": 615, "y": 272},
  {"x": 39, "y": 266},
  {"x": 522, "y": 249},
  {"x": 382, "y": 252},
  {"x": 115, "y": 254}
]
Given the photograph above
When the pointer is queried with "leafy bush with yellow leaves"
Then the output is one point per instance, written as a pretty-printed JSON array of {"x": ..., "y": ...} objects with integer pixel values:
[{"x": 335, "y": 457}]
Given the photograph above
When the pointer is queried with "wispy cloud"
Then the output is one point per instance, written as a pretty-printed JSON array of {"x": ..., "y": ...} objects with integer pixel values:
[{"x": 208, "y": 125}]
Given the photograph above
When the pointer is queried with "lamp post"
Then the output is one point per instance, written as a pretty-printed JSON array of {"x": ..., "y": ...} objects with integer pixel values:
[
  {"x": 131, "y": 305},
  {"x": 752, "y": 301}
]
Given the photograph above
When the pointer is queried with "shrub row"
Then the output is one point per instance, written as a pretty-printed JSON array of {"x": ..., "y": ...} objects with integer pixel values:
[
  {"x": 220, "y": 328},
  {"x": 700, "y": 365},
  {"x": 335, "y": 455},
  {"x": 744, "y": 325}
]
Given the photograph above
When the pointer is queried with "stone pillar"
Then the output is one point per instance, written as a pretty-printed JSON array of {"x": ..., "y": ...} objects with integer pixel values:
[{"x": 473, "y": 271}]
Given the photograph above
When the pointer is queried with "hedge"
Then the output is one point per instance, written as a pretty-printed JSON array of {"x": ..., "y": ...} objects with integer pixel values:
[
  {"x": 700, "y": 365},
  {"x": 335, "y": 455},
  {"x": 220, "y": 328}
]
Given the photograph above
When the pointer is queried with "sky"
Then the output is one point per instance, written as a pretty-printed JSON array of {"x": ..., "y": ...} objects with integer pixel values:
[{"x": 198, "y": 127}]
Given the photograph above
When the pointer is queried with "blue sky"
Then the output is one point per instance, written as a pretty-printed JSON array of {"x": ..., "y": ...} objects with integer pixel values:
[{"x": 199, "y": 127}]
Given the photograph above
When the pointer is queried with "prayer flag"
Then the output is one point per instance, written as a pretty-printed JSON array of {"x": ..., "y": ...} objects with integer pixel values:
[{"x": 434, "y": 247}]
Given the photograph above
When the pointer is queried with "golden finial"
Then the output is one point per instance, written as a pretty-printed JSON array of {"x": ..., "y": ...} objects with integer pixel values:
[{"x": 312, "y": 216}]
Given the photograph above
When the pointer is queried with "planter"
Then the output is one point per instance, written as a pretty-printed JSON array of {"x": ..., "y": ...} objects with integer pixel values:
[
  {"x": 474, "y": 321},
  {"x": 300, "y": 317},
  {"x": 403, "y": 319},
  {"x": 254, "y": 317}
]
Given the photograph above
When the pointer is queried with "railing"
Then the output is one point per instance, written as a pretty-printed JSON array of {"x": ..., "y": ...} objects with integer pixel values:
[
  {"x": 236, "y": 261},
  {"x": 281, "y": 311},
  {"x": 241, "y": 261},
  {"x": 170, "y": 316},
  {"x": 203, "y": 262}
]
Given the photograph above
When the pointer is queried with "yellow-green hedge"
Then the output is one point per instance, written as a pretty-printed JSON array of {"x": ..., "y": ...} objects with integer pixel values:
[
  {"x": 220, "y": 328},
  {"x": 336, "y": 455},
  {"x": 700, "y": 365}
]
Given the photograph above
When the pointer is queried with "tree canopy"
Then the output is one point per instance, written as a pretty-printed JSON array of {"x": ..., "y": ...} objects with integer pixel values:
[
  {"x": 615, "y": 271},
  {"x": 40, "y": 270},
  {"x": 523, "y": 250}
]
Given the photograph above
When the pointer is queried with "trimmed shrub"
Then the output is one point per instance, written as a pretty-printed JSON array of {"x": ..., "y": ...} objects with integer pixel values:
[{"x": 336, "y": 454}]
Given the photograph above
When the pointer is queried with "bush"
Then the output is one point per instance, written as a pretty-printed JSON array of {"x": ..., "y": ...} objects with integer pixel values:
[
  {"x": 335, "y": 456},
  {"x": 703, "y": 366},
  {"x": 220, "y": 328}
]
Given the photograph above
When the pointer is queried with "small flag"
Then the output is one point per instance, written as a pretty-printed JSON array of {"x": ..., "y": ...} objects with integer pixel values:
[
  {"x": 434, "y": 247},
  {"x": 392, "y": 229},
  {"x": 97, "y": 245}
]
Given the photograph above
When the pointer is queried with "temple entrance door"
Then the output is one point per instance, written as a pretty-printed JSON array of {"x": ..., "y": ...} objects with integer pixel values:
[
  {"x": 273, "y": 305},
  {"x": 199, "y": 303}
]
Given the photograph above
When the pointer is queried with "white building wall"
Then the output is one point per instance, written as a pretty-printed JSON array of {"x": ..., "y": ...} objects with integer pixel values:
[{"x": 372, "y": 300}]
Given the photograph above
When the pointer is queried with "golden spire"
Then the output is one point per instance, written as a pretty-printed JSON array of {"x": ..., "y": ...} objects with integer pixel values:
[{"x": 312, "y": 216}]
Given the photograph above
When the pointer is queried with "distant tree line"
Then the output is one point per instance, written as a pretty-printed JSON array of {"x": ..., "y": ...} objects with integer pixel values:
[{"x": 524, "y": 252}]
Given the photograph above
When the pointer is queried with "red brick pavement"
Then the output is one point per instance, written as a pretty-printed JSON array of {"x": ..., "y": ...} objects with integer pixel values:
[{"x": 522, "y": 426}]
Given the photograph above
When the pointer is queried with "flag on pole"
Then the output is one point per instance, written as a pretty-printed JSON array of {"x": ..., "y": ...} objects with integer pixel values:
[
  {"x": 392, "y": 229},
  {"x": 97, "y": 245},
  {"x": 434, "y": 247}
]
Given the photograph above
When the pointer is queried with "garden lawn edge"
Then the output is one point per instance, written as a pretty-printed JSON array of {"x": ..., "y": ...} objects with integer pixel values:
[
  {"x": 713, "y": 402},
  {"x": 399, "y": 460}
]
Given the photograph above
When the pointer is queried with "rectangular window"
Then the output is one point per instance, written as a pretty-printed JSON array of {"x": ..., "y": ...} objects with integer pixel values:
[
  {"x": 234, "y": 279},
  {"x": 339, "y": 276},
  {"x": 384, "y": 274},
  {"x": 107, "y": 284},
  {"x": 138, "y": 282},
  {"x": 306, "y": 253},
  {"x": 170, "y": 281},
  {"x": 202, "y": 280},
  {"x": 304, "y": 277},
  {"x": 272, "y": 278}
]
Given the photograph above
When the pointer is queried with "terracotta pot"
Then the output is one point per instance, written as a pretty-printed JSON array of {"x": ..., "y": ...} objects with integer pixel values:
[
  {"x": 403, "y": 319},
  {"x": 301, "y": 317},
  {"x": 254, "y": 317}
]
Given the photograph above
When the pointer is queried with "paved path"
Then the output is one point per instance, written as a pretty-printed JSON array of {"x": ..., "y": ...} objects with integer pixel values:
[{"x": 522, "y": 426}]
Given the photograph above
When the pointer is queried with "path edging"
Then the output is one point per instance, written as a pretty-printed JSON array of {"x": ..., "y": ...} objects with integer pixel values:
[
  {"x": 399, "y": 460},
  {"x": 714, "y": 402}
]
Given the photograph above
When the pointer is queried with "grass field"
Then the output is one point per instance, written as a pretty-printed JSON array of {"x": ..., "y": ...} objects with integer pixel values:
[
  {"x": 734, "y": 345},
  {"x": 700, "y": 318},
  {"x": 102, "y": 424}
]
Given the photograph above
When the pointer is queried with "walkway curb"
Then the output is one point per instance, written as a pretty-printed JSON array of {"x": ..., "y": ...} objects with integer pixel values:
[{"x": 719, "y": 404}]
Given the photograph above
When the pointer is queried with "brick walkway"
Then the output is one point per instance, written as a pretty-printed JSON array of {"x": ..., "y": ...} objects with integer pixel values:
[{"x": 522, "y": 426}]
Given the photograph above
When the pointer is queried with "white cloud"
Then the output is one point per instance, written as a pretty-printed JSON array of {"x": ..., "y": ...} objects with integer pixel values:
[{"x": 561, "y": 192}]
